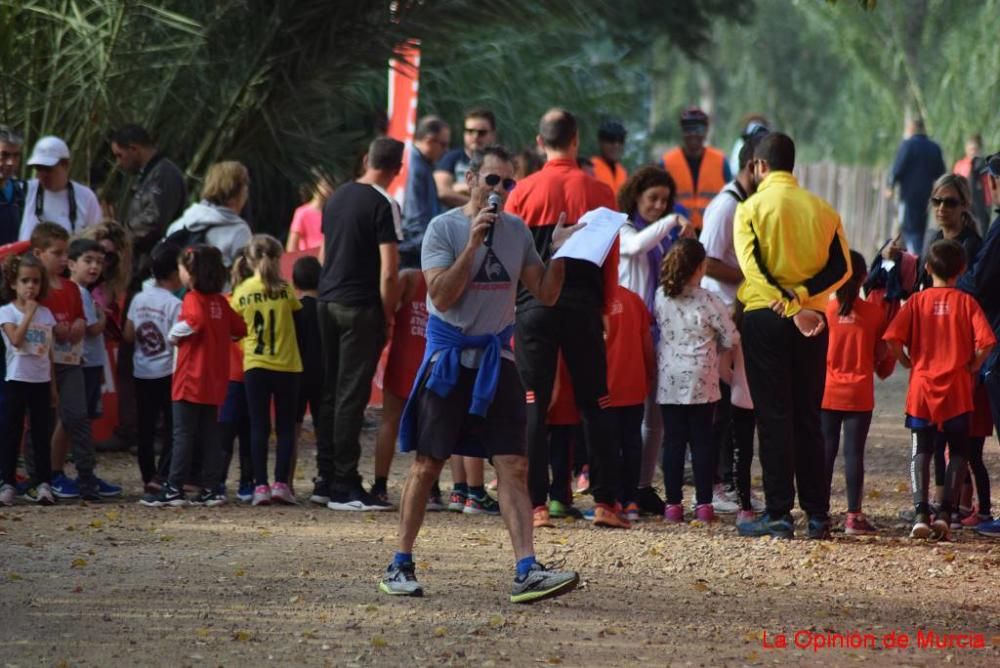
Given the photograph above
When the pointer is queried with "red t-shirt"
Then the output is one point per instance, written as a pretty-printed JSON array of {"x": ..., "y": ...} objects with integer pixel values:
[
  {"x": 941, "y": 328},
  {"x": 562, "y": 410},
  {"x": 560, "y": 186},
  {"x": 409, "y": 338},
  {"x": 236, "y": 374},
  {"x": 64, "y": 302},
  {"x": 629, "y": 324},
  {"x": 850, "y": 358},
  {"x": 201, "y": 373}
]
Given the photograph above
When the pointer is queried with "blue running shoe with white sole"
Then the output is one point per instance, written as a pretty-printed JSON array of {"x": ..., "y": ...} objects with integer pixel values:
[
  {"x": 107, "y": 490},
  {"x": 64, "y": 487},
  {"x": 780, "y": 527}
]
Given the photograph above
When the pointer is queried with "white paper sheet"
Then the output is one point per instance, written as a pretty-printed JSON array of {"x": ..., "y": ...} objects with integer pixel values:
[{"x": 594, "y": 241}]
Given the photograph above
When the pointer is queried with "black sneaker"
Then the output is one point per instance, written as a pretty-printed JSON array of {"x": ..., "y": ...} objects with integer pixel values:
[
  {"x": 650, "y": 502},
  {"x": 209, "y": 499},
  {"x": 321, "y": 491},
  {"x": 818, "y": 528},
  {"x": 357, "y": 500},
  {"x": 168, "y": 496},
  {"x": 90, "y": 489}
]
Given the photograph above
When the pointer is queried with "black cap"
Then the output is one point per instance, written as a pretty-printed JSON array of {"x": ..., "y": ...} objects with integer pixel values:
[
  {"x": 993, "y": 165},
  {"x": 611, "y": 130}
]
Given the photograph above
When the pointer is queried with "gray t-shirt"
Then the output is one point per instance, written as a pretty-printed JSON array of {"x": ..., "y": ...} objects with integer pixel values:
[{"x": 487, "y": 305}]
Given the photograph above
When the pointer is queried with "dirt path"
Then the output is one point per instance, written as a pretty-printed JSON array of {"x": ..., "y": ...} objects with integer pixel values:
[{"x": 116, "y": 584}]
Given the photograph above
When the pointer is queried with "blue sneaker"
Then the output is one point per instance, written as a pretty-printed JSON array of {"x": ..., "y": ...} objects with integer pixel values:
[
  {"x": 990, "y": 529},
  {"x": 818, "y": 528},
  {"x": 781, "y": 527},
  {"x": 107, "y": 490},
  {"x": 65, "y": 488},
  {"x": 245, "y": 491},
  {"x": 588, "y": 514}
]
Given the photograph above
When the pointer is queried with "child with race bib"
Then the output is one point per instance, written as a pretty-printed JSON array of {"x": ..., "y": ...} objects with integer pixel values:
[
  {"x": 26, "y": 327},
  {"x": 271, "y": 364}
]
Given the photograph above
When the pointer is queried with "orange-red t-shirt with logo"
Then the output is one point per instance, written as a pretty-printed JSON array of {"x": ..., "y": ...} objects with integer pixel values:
[
  {"x": 850, "y": 357},
  {"x": 409, "y": 339},
  {"x": 201, "y": 372},
  {"x": 628, "y": 323},
  {"x": 941, "y": 328}
]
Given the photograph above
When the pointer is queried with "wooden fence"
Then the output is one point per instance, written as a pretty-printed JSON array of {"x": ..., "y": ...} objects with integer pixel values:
[{"x": 856, "y": 193}]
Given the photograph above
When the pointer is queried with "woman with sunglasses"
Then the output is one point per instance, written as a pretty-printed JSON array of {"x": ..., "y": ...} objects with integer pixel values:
[{"x": 951, "y": 203}]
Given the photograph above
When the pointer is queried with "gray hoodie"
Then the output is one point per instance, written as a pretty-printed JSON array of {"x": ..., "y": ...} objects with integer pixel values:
[{"x": 226, "y": 230}]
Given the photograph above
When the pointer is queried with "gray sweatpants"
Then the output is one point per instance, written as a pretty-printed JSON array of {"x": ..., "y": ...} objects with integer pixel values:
[{"x": 72, "y": 413}]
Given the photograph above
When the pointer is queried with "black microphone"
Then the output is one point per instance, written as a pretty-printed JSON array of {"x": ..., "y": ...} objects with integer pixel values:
[{"x": 494, "y": 201}]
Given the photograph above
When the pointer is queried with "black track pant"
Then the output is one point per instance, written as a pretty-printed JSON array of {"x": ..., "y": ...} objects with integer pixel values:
[{"x": 579, "y": 334}]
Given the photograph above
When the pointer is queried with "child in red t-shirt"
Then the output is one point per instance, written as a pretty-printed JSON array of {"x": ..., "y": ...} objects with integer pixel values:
[
  {"x": 854, "y": 354},
  {"x": 203, "y": 335},
  {"x": 566, "y": 447},
  {"x": 50, "y": 243},
  {"x": 631, "y": 371},
  {"x": 947, "y": 338},
  {"x": 406, "y": 350}
]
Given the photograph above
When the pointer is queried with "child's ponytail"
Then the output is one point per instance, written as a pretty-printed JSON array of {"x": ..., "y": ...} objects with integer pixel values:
[
  {"x": 264, "y": 255},
  {"x": 847, "y": 293},
  {"x": 680, "y": 264}
]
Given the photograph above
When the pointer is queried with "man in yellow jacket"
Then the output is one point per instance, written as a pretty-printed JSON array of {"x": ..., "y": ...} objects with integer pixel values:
[{"x": 793, "y": 252}]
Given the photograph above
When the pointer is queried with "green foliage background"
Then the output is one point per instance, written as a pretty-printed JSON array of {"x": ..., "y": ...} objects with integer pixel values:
[{"x": 290, "y": 85}]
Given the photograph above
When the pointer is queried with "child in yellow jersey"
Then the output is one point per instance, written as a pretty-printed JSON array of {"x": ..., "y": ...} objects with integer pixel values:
[{"x": 271, "y": 363}]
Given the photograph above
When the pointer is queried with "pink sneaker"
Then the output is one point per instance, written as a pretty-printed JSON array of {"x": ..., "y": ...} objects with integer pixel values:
[
  {"x": 745, "y": 517},
  {"x": 674, "y": 512},
  {"x": 705, "y": 513},
  {"x": 282, "y": 493},
  {"x": 974, "y": 519},
  {"x": 261, "y": 495},
  {"x": 858, "y": 525}
]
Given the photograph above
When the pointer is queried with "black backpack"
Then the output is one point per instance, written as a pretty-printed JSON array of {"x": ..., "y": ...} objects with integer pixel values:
[{"x": 190, "y": 235}]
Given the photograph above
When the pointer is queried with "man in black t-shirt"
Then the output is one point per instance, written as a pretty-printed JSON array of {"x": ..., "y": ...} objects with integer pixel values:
[{"x": 357, "y": 294}]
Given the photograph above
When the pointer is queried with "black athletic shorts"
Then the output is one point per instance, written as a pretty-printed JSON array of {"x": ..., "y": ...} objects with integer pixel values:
[{"x": 445, "y": 426}]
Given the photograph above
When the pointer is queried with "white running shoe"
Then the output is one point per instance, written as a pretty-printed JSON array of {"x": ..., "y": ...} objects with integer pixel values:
[{"x": 721, "y": 502}]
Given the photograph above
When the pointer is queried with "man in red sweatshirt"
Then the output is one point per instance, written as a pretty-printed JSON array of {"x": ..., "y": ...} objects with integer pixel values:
[{"x": 573, "y": 325}]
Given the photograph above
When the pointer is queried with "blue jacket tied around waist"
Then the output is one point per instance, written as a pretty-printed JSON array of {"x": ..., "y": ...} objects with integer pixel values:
[{"x": 449, "y": 341}]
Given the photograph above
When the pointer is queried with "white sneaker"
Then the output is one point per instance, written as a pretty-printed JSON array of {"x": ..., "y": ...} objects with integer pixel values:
[
  {"x": 42, "y": 495},
  {"x": 7, "y": 495},
  {"x": 757, "y": 503},
  {"x": 720, "y": 501}
]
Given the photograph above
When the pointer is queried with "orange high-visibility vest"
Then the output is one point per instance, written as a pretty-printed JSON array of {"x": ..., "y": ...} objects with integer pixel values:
[
  {"x": 603, "y": 173},
  {"x": 711, "y": 179}
]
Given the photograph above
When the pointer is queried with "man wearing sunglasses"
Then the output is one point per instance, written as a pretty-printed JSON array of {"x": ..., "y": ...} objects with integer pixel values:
[
  {"x": 982, "y": 281},
  {"x": 479, "y": 130},
  {"x": 573, "y": 325},
  {"x": 469, "y": 399}
]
